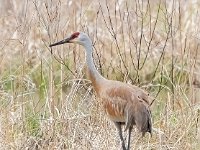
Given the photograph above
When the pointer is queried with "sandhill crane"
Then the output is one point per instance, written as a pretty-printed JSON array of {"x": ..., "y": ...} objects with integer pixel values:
[{"x": 124, "y": 104}]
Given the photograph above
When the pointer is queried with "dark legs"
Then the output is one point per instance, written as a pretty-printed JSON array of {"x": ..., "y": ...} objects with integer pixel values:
[
  {"x": 129, "y": 136},
  {"x": 118, "y": 125}
]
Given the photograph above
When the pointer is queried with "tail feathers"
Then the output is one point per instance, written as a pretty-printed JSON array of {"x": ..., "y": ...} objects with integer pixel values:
[
  {"x": 147, "y": 127},
  {"x": 141, "y": 117},
  {"x": 145, "y": 124}
]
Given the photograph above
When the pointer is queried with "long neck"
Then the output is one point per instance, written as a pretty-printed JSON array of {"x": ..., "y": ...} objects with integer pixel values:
[{"x": 94, "y": 75}]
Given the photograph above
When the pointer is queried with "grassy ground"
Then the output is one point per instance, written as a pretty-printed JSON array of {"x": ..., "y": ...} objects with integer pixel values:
[{"x": 46, "y": 101}]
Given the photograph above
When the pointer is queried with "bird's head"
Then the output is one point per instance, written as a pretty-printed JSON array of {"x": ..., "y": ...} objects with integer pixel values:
[{"x": 77, "y": 37}]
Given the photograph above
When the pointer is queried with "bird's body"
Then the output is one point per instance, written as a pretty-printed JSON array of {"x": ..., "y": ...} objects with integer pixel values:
[{"x": 123, "y": 103}]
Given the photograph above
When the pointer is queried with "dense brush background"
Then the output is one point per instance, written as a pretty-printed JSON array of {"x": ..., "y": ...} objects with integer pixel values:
[{"x": 46, "y": 99}]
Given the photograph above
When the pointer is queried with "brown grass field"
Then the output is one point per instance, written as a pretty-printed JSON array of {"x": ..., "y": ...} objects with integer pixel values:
[{"x": 46, "y": 99}]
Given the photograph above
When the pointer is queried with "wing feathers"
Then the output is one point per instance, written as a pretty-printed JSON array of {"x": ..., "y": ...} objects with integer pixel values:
[{"x": 129, "y": 105}]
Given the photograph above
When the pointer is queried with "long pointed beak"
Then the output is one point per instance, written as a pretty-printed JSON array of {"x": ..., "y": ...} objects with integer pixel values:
[{"x": 67, "y": 40}]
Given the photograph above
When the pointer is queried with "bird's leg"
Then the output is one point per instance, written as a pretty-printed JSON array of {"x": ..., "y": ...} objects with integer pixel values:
[
  {"x": 118, "y": 125},
  {"x": 129, "y": 136}
]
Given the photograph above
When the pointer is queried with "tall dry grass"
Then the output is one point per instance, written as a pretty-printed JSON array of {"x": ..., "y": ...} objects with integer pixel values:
[{"x": 46, "y": 101}]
